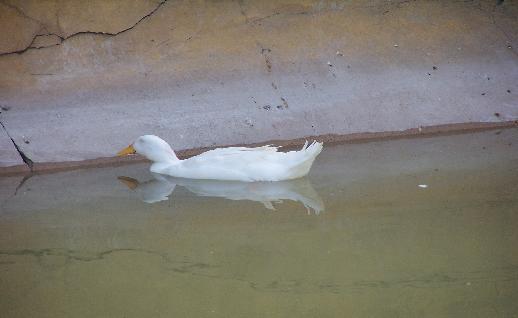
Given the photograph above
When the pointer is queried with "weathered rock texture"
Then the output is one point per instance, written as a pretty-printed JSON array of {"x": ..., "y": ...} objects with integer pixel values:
[{"x": 83, "y": 79}]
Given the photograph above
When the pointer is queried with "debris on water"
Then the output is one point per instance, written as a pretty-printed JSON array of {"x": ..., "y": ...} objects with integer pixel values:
[
  {"x": 497, "y": 114},
  {"x": 509, "y": 91},
  {"x": 434, "y": 67},
  {"x": 423, "y": 186},
  {"x": 483, "y": 94}
]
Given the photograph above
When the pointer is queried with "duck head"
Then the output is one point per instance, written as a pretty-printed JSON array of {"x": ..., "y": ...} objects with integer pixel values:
[{"x": 152, "y": 147}]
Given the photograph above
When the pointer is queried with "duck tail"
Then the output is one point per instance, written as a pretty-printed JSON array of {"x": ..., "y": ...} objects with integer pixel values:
[
  {"x": 304, "y": 159},
  {"x": 313, "y": 149}
]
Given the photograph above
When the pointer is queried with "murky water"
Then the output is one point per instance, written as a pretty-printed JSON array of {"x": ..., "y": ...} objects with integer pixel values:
[{"x": 357, "y": 238}]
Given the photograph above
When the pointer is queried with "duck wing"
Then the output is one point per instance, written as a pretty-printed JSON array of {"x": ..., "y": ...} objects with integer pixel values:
[
  {"x": 264, "y": 163},
  {"x": 232, "y": 151},
  {"x": 238, "y": 155}
]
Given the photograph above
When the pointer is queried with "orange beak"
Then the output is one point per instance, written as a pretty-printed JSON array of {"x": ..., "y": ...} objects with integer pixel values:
[{"x": 126, "y": 151}]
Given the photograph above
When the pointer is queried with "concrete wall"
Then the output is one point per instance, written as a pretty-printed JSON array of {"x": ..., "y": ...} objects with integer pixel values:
[{"x": 79, "y": 80}]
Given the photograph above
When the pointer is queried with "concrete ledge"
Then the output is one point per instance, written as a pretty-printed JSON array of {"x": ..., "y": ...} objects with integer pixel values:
[{"x": 429, "y": 131}]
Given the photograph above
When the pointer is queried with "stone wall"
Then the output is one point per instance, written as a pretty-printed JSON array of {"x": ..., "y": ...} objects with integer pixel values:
[{"x": 80, "y": 80}]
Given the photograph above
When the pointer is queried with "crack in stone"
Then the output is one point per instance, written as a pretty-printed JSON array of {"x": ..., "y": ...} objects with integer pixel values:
[
  {"x": 32, "y": 47},
  {"x": 20, "y": 11},
  {"x": 24, "y": 157},
  {"x": 42, "y": 27},
  {"x": 107, "y": 34}
]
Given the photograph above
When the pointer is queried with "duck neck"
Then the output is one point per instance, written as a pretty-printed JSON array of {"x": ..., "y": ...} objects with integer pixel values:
[
  {"x": 163, "y": 162},
  {"x": 172, "y": 156},
  {"x": 162, "y": 155},
  {"x": 165, "y": 157}
]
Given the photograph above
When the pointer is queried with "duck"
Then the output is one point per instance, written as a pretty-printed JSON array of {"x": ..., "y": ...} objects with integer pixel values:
[{"x": 246, "y": 164}]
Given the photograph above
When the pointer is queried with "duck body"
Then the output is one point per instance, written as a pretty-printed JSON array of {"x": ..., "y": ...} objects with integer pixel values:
[
  {"x": 243, "y": 164},
  {"x": 264, "y": 163}
]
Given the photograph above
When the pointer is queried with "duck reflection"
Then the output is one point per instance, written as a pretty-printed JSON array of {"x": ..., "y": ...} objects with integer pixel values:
[{"x": 160, "y": 187}]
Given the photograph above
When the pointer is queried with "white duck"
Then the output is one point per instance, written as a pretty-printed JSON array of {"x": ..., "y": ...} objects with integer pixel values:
[{"x": 234, "y": 163}]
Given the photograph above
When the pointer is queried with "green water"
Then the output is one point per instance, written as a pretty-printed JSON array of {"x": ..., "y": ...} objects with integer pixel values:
[{"x": 357, "y": 238}]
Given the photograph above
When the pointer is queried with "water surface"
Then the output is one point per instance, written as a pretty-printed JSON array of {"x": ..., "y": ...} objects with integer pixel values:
[{"x": 357, "y": 238}]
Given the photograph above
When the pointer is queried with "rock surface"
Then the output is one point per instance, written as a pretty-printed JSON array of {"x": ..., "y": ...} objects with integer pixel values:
[
  {"x": 205, "y": 73},
  {"x": 18, "y": 30}
]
